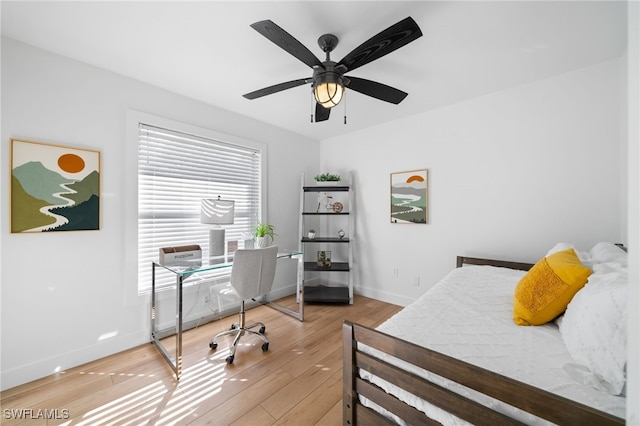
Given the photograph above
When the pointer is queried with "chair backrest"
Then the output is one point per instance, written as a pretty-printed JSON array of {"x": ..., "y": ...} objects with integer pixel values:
[{"x": 253, "y": 271}]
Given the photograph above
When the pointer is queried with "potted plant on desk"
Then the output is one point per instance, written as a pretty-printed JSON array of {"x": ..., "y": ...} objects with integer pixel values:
[{"x": 261, "y": 232}]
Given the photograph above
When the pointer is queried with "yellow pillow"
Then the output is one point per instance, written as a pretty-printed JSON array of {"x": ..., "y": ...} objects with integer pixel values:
[{"x": 546, "y": 290}]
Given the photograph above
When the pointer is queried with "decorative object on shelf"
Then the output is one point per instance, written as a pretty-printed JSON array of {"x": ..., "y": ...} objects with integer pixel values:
[
  {"x": 216, "y": 212},
  {"x": 54, "y": 188},
  {"x": 327, "y": 179},
  {"x": 311, "y": 234},
  {"x": 263, "y": 232},
  {"x": 322, "y": 199},
  {"x": 409, "y": 197},
  {"x": 324, "y": 259},
  {"x": 327, "y": 200},
  {"x": 341, "y": 234}
]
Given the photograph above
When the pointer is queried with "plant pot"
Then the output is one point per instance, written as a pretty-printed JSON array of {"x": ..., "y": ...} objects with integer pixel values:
[
  {"x": 311, "y": 235},
  {"x": 262, "y": 242},
  {"x": 327, "y": 182}
]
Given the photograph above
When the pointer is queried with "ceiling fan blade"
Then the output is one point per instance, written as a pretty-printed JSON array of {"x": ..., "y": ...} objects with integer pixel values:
[
  {"x": 376, "y": 90},
  {"x": 286, "y": 41},
  {"x": 383, "y": 43},
  {"x": 275, "y": 88},
  {"x": 322, "y": 113}
]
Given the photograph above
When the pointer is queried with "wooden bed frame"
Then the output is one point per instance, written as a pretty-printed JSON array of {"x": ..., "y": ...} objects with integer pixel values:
[{"x": 541, "y": 403}]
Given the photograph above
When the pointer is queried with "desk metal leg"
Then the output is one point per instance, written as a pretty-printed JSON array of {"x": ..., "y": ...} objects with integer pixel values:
[
  {"x": 299, "y": 314},
  {"x": 174, "y": 362},
  {"x": 178, "y": 365}
]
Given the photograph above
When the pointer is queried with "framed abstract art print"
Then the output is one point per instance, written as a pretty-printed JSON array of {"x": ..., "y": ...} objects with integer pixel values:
[
  {"x": 409, "y": 197},
  {"x": 54, "y": 188}
]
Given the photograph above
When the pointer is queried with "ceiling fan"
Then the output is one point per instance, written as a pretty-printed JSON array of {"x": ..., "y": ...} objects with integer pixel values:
[{"x": 329, "y": 80}]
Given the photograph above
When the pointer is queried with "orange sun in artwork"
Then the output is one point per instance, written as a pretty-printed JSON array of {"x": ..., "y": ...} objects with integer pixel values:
[
  {"x": 71, "y": 163},
  {"x": 415, "y": 178}
]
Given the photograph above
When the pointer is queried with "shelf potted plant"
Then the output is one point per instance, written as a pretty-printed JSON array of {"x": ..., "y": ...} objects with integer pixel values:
[
  {"x": 311, "y": 234},
  {"x": 327, "y": 179},
  {"x": 262, "y": 233}
]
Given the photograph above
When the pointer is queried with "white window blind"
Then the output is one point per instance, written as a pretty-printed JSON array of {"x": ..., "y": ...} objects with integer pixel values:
[{"x": 175, "y": 172}]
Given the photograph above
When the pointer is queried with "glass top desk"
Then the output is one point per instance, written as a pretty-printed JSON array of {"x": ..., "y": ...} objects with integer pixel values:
[{"x": 218, "y": 264}]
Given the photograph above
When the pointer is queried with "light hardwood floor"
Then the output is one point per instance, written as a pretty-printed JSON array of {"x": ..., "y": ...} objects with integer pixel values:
[{"x": 298, "y": 381}]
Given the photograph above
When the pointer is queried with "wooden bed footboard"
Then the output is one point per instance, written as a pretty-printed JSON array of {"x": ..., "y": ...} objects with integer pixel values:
[{"x": 541, "y": 403}]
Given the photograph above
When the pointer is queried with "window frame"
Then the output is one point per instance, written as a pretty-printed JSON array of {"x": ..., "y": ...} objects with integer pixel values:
[{"x": 134, "y": 119}]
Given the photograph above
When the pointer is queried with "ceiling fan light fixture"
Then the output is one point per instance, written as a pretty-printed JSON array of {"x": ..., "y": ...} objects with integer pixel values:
[{"x": 328, "y": 90}]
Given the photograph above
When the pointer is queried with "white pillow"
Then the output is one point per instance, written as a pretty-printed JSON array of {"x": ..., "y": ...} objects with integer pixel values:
[
  {"x": 594, "y": 328},
  {"x": 607, "y": 252},
  {"x": 584, "y": 256}
]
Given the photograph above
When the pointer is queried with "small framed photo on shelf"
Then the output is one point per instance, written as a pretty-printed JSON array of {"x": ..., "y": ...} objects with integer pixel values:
[{"x": 324, "y": 259}]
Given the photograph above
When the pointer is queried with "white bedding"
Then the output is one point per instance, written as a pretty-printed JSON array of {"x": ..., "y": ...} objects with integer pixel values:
[{"x": 469, "y": 315}]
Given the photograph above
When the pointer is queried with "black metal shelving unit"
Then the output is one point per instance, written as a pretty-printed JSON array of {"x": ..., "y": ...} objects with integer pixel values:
[{"x": 327, "y": 292}]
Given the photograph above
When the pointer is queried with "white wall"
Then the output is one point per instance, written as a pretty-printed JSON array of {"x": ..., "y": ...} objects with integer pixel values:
[
  {"x": 633, "y": 114},
  {"x": 64, "y": 292},
  {"x": 510, "y": 174}
]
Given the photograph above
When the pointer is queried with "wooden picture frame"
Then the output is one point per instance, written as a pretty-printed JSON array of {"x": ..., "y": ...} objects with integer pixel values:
[
  {"x": 54, "y": 188},
  {"x": 409, "y": 197}
]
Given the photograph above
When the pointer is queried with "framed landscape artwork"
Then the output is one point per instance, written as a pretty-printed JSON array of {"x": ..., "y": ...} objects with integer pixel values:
[
  {"x": 54, "y": 188},
  {"x": 409, "y": 197}
]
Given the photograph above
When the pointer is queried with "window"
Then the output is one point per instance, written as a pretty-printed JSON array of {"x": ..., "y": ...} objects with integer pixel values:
[{"x": 176, "y": 171}]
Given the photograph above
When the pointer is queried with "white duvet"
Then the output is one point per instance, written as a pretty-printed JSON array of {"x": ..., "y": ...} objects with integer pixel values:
[{"x": 468, "y": 315}]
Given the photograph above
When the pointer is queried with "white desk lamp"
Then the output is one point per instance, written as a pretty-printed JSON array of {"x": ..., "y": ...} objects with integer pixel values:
[{"x": 216, "y": 212}]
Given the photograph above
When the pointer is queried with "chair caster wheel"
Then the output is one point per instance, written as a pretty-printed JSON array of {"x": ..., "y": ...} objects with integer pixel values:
[
  {"x": 229, "y": 359},
  {"x": 263, "y": 329},
  {"x": 233, "y": 327},
  {"x": 265, "y": 347},
  {"x": 213, "y": 345}
]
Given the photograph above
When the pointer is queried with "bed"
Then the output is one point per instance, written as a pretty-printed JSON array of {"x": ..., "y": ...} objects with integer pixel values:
[{"x": 456, "y": 356}]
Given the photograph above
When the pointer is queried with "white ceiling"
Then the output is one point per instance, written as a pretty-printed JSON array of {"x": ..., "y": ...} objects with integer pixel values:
[{"x": 206, "y": 50}]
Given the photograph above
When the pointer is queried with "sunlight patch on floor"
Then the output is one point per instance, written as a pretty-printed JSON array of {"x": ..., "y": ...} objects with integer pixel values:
[{"x": 168, "y": 402}]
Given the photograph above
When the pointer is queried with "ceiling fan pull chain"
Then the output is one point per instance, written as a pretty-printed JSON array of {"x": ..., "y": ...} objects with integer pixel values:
[
  {"x": 345, "y": 107},
  {"x": 312, "y": 105}
]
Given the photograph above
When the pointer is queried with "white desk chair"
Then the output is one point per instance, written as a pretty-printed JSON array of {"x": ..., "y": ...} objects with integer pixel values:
[{"x": 252, "y": 276}]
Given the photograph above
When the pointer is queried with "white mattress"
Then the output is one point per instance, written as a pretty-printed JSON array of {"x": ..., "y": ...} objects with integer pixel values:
[{"x": 468, "y": 315}]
